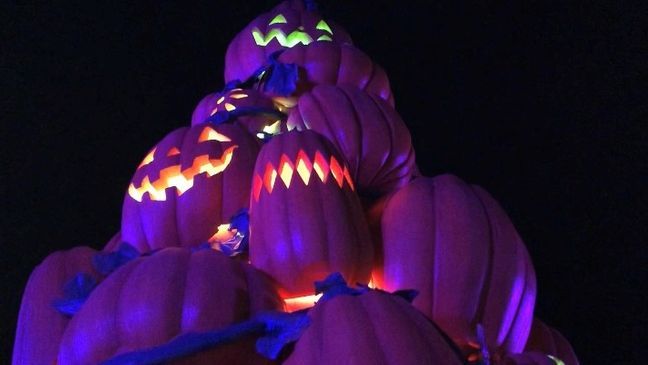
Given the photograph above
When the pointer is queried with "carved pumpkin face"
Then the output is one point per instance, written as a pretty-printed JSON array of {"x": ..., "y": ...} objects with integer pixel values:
[
  {"x": 289, "y": 24},
  {"x": 191, "y": 182},
  {"x": 253, "y": 109},
  {"x": 306, "y": 220}
]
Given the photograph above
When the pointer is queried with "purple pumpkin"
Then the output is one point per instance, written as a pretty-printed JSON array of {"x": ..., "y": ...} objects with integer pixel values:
[
  {"x": 194, "y": 180},
  {"x": 371, "y": 328},
  {"x": 455, "y": 244},
  {"x": 548, "y": 340},
  {"x": 327, "y": 63},
  {"x": 306, "y": 220},
  {"x": 40, "y": 324},
  {"x": 291, "y": 23},
  {"x": 153, "y": 299},
  {"x": 258, "y": 111},
  {"x": 367, "y": 130}
]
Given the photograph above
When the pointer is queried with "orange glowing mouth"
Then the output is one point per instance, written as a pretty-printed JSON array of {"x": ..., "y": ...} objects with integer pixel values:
[{"x": 173, "y": 177}]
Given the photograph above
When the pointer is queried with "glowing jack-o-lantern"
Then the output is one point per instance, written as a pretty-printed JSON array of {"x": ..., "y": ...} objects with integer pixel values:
[
  {"x": 248, "y": 107},
  {"x": 306, "y": 220},
  {"x": 291, "y": 23},
  {"x": 189, "y": 184}
]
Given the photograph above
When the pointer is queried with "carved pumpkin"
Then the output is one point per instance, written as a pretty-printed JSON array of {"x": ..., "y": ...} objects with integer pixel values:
[
  {"x": 305, "y": 218},
  {"x": 371, "y": 328},
  {"x": 548, "y": 340},
  {"x": 370, "y": 134},
  {"x": 152, "y": 299},
  {"x": 337, "y": 64},
  {"x": 40, "y": 324},
  {"x": 191, "y": 182},
  {"x": 288, "y": 24},
  {"x": 254, "y": 110},
  {"x": 453, "y": 243}
]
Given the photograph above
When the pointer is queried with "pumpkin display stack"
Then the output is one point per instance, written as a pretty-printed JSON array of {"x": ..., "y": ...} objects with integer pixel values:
[{"x": 269, "y": 228}]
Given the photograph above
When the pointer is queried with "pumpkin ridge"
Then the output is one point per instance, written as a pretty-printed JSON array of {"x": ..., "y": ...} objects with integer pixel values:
[
  {"x": 359, "y": 155},
  {"x": 435, "y": 245},
  {"x": 392, "y": 134},
  {"x": 528, "y": 282},
  {"x": 483, "y": 295},
  {"x": 363, "y": 300},
  {"x": 387, "y": 156}
]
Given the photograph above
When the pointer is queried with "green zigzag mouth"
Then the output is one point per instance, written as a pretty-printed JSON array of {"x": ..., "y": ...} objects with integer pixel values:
[{"x": 294, "y": 38}]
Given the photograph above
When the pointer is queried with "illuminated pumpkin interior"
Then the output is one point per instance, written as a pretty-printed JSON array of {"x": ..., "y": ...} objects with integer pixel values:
[
  {"x": 307, "y": 301},
  {"x": 173, "y": 177},
  {"x": 222, "y": 104},
  {"x": 295, "y": 37},
  {"x": 304, "y": 167}
]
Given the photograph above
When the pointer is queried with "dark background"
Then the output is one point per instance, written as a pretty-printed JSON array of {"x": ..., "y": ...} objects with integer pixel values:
[{"x": 538, "y": 102}]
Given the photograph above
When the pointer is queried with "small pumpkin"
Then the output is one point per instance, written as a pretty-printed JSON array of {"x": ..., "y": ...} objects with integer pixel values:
[
  {"x": 40, "y": 325},
  {"x": 305, "y": 218},
  {"x": 370, "y": 134},
  {"x": 548, "y": 340},
  {"x": 290, "y": 23},
  {"x": 189, "y": 184},
  {"x": 454, "y": 243},
  {"x": 371, "y": 328},
  {"x": 251, "y": 108},
  {"x": 329, "y": 63},
  {"x": 155, "y": 298}
]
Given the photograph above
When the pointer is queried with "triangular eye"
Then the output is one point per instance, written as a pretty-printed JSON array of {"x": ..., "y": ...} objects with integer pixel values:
[
  {"x": 322, "y": 25},
  {"x": 279, "y": 19},
  {"x": 147, "y": 159},
  {"x": 173, "y": 151},
  {"x": 210, "y": 134}
]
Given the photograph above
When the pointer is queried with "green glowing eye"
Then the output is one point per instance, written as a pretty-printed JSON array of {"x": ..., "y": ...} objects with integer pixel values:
[
  {"x": 279, "y": 19},
  {"x": 323, "y": 26}
]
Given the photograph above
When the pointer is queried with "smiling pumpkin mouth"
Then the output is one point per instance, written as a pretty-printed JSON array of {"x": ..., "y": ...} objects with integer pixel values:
[
  {"x": 294, "y": 38},
  {"x": 182, "y": 180}
]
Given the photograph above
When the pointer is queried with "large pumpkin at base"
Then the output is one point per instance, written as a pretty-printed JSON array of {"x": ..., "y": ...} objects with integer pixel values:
[
  {"x": 453, "y": 243},
  {"x": 370, "y": 134},
  {"x": 40, "y": 325},
  {"x": 371, "y": 328},
  {"x": 291, "y": 23},
  {"x": 195, "y": 179},
  {"x": 153, "y": 299},
  {"x": 306, "y": 220}
]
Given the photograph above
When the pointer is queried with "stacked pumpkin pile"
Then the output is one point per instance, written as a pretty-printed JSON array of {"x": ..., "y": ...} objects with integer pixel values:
[{"x": 289, "y": 223}]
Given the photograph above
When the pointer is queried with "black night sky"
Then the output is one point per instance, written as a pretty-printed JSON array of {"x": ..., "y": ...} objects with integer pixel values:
[{"x": 538, "y": 102}]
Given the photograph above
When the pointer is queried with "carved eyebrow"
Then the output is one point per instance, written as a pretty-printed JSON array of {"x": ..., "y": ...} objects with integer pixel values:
[{"x": 279, "y": 19}]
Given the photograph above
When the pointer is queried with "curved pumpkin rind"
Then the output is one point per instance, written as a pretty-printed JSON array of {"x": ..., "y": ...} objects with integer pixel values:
[
  {"x": 40, "y": 326},
  {"x": 453, "y": 243},
  {"x": 368, "y": 132},
  {"x": 243, "y": 56},
  {"x": 527, "y": 358},
  {"x": 546, "y": 339},
  {"x": 193, "y": 217},
  {"x": 372, "y": 328},
  {"x": 153, "y": 299},
  {"x": 301, "y": 233},
  {"x": 231, "y": 100},
  {"x": 327, "y": 63}
]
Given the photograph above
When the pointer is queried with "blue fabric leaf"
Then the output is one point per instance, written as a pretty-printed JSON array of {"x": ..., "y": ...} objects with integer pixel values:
[
  {"x": 75, "y": 293},
  {"x": 334, "y": 285},
  {"x": 240, "y": 221},
  {"x": 107, "y": 262},
  {"x": 282, "y": 79},
  {"x": 281, "y": 329}
]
